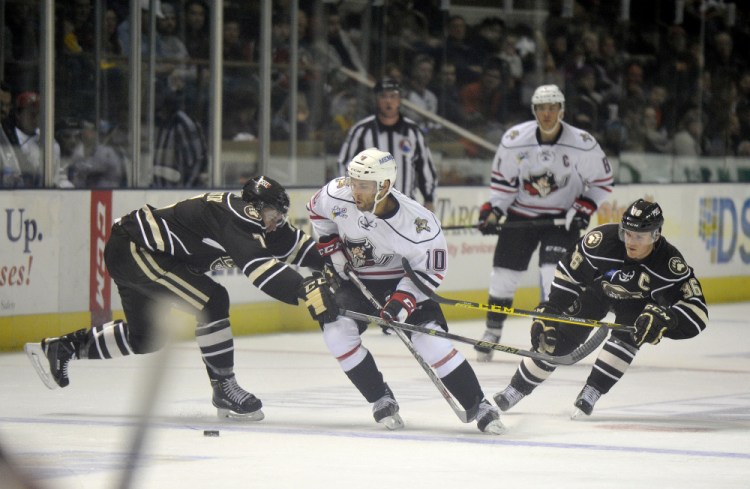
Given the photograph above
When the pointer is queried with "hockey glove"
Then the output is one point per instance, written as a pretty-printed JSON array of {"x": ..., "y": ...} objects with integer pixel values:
[
  {"x": 318, "y": 298},
  {"x": 651, "y": 325},
  {"x": 400, "y": 305},
  {"x": 543, "y": 331},
  {"x": 579, "y": 215},
  {"x": 489, "y": 217},
  {"x": 332, "y": 250}
]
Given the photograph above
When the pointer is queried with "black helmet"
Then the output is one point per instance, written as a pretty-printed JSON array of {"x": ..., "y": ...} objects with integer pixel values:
[
  {"x": 642, "y": 216},
  {"x": 263, "y": 191},
  {"x": 387, "y": 85}
]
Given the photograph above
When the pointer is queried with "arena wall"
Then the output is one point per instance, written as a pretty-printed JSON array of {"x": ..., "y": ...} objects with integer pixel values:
[{"x": 52, "y": 278}]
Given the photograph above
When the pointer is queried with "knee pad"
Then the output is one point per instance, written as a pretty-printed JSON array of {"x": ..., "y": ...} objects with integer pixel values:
[
  {"x": 343, "y": 341},
  {"x": 504, "y": 282},
  {"x": 217, "y": 307}
]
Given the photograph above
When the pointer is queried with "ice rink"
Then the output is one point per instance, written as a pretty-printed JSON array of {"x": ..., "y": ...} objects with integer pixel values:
[{"x": 680, "y": 418}]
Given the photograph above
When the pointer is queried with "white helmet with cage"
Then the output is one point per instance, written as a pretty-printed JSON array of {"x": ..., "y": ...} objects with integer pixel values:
[{"x": 548, "y": 94}]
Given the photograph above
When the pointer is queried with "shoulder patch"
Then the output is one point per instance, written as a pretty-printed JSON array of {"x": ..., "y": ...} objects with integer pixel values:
[
  {"x": 593, "y": 239},
  {"x": 250, "y": 212},
  {"x": 677, "y": 265},
  {"x": 586, "y": 137},
  {"x": 421, "y": 225},
  {"x": 512, "y": 134}
]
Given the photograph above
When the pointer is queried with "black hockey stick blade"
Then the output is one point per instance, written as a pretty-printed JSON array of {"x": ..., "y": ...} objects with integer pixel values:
[
  {"x": 512, "y": 224},
  {"x": 576, "y": 355},
  {"x": 589, "y": 323}
]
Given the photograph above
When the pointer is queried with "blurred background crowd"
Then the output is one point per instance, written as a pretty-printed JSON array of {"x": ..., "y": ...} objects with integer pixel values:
[{"x": 663, "y": 85}]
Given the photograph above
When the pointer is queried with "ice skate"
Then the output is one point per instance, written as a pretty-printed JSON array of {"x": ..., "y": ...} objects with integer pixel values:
[
  {"x": 232, "y": 401},
  {"x": 485, "y": 354},
  {"x": 385, "y": 411},
  {"x": 52, "y": 356},
  {"x": 488, "y": 419},
  {"x": 508, "y": 397},
  {"x": 585, "y": 402}
]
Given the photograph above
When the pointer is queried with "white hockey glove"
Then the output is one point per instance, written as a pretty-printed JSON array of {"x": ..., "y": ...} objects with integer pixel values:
[{"x": 332, "y": 250}]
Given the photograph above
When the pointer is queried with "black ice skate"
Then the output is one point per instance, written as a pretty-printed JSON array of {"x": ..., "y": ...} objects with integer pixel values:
[
  {"x": 385, "y": 410},
  {"x": 52, "y": 356},
  {"x": 585, "y": 401},
  {"x": 232, "y": 401},
  {"x": 488, "y": 419},
  {"x": 508, "y": 397}
]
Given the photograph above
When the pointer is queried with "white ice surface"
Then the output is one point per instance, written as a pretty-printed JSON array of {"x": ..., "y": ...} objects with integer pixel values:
[{"x": 680, "y": 418}]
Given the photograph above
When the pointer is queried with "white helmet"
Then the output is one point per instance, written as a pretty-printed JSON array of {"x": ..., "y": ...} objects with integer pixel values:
[
  {"x": 547, "y": 94},
  {"x": 376, "y": 166}
]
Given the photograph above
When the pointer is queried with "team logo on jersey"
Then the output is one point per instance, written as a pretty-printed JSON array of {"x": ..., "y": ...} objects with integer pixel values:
[
  {"x": 540, "y": 185},
  {"x": 618, "y": 292},
  {"x": 366, "y": 223},
  {"x": 362, "y": 254},
  {"x": 405, "y": 146},
  {"x": 677, "y": 266},
  {"x": 546, "y": 155},
  {"x": 251, "y": 212},
  {"x": 222, "y": 263},
  {"x": 339, "y": 212},
  {"x": 521, "y": 157},
  {"x": 341, "y": 182},
  {"x": 586, "y": 137},
  {"x": 512, "y": 134},
  {"x": 421, "y": 225},
  {"x": 593, "y": 239}
]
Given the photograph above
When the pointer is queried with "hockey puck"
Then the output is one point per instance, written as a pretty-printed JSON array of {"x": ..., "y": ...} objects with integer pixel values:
[{"x": 210, "y": 432}]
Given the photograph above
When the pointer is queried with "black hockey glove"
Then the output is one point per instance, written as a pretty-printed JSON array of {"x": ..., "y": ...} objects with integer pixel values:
[
  {"x": 318, "y": 298},
  {"x": 400, "y": 305},
  {"x": 544, "y": 332},
  {"x": 332, "y": 250},
  {"x": 489, "y": 217},
  {"x": 651, "y": 325},
  {"x": 579, "y": 215}
]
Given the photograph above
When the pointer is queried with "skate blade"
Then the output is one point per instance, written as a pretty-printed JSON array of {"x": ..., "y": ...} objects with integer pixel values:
[
  {"x": 495, "y": 428},
  {"x": 40, "y": 363},
  {"x": 229, "y": 414},
  {"x": 393, "y": 422},
  {"x": 578, "y": 415}
]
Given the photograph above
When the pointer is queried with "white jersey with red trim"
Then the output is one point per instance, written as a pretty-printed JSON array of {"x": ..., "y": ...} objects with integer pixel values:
[
  {"x": 532, "y": 179},
  {"x": 375, "y": 245}
]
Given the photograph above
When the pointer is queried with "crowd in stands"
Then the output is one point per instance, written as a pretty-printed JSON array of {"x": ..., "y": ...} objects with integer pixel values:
[{"x": 668, "y": 81}]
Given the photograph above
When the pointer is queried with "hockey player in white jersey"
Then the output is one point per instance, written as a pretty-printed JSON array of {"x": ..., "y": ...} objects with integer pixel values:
[
  {"x": 364, "y": 225},
  {"x": 544, "y": 169}
]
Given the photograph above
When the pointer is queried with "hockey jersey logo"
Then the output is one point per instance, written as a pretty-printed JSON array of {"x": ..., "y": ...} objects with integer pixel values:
[
  {"x": 421, "y": 225},
  {"x": 222, "y": 263},
  {"x": 540, "y": 185},
  {"x": 339, "y": 212},
  {"x": 677, "y": 266},
  {"x": 362, "y": 254},
  {"x": 251, "y": 212}
]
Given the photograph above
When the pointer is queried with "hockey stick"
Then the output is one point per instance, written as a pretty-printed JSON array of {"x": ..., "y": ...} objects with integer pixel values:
[
  {"x": 531, "y": 223},
  {"x": 576, "y": 355},
  {"x": 464, "y": 416},
  {"x": 589, "y": 323}
]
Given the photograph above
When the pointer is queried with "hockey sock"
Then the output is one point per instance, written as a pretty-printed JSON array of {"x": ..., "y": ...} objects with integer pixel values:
[
  {"x": 611, "y": 364},
  {"x": 217, "y": 348},
  {"x": 367, "y": 379},
  {"x": 530, "y": 374},
  {"x": 496, "y": 320},
  {"x": 108, "y": 340},
  {"x": 464, "y": 386}
]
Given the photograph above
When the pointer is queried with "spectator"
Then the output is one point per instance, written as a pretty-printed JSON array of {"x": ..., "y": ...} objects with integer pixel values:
[
  {"x": 28, "y": 138},
  {"x": 197, "y": 35},
  {"x": 123, "y": 30},
  {"x": 446, "y": 89},
  {"x": 422, "y": 71},
  {"x": 586, "y": 103},
  {"x": 688, "y": 147},
  {"x": 68, "y": 135},
  {"x": 99, "y": 165},
  {"x": 483, "y": 100},
  {"x": 458, "y": 51},
  {"x": 10, "y": 170}
]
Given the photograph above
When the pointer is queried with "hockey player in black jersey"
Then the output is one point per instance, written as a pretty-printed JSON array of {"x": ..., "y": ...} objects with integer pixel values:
[
  {"x": 161, "y": 256},
  {"x": 631, "y": 270}
]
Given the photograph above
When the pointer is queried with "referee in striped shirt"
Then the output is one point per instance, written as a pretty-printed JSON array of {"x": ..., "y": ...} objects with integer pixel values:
[{"x": 389, "y": 131}]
